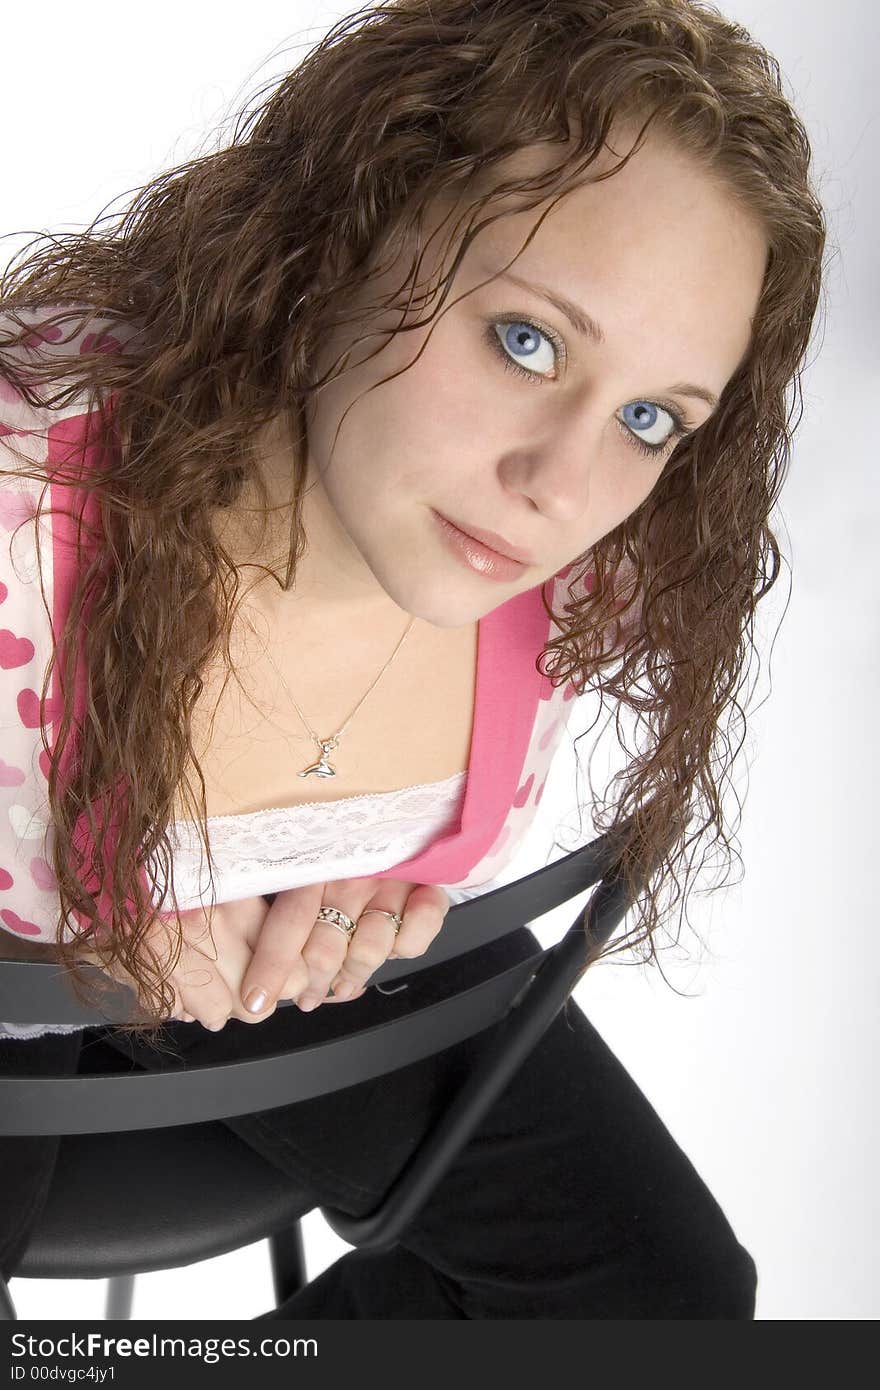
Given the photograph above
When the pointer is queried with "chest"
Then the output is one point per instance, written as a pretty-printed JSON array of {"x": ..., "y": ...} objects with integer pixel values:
[{"x": 415, "y": 725}]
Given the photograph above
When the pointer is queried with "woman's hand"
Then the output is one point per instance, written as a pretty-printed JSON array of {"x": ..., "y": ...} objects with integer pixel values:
[
  {"x": 281, "y": 951},
  {"x": 292, "y": 940},
  {"x": 207, "y": 975}
]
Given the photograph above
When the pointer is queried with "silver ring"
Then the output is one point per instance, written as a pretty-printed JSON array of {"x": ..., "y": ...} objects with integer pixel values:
[
  {"x": 337, "y": 919},
  {"x": 398, "y": 921}
]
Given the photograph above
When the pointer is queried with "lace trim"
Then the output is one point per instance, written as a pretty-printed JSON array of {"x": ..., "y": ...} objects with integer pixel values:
[
  {"x": 25, "y": 1031},
  {"x": 386, "y": 798},
  {"x": 268, "y": 851}
]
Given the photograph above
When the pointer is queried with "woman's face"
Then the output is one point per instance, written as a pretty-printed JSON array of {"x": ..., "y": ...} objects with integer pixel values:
[{"x": 517, "y": 421}]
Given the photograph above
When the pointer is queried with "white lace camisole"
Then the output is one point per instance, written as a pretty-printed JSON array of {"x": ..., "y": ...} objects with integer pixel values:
[{"x": 287, "y": 847}]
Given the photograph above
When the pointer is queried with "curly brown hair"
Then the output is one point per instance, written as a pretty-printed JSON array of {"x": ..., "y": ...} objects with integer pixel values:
[{"x": 400, "y": 104}]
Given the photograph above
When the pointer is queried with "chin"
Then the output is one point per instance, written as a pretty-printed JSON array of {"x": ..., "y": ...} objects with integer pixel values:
[
  {"x": 440, "y": 602},
  {"x": 454, "y": 622},
  {"x": 445, "y": 612}
]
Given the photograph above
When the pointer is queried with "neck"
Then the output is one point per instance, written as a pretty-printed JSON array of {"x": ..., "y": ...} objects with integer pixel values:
[{"x": 331, "y": 580}]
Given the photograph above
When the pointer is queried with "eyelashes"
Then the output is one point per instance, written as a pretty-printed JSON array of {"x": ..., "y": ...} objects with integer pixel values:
[{"x": 681, "y": 426}]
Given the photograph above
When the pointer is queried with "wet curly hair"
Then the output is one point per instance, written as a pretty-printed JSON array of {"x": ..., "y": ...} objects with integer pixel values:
[{"x": 221, "y": 263}]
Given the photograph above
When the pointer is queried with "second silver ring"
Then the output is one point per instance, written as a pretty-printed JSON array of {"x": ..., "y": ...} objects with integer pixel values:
[{"x": 398, "y": 921}]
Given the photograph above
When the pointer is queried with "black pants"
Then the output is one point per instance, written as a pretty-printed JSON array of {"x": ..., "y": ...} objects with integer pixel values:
[{"x": 572, "y": 1200}]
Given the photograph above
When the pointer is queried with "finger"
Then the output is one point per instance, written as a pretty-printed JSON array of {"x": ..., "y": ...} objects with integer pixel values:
[
  {"x": 237, "y": 929},
  {"x": 345, "y": 998},
  {"x": 277, "y": 960},
  {"x": 324, "y": 954},
  {"x": 181, "y": 1016},
  {"x": 328, "y": 945},
  {"x": 423, "y": 918},
  {"x": 198, "y": 975},
  {"x": 249, "y": 916},
  {"x": 202, "y": 990},
  {"x": 371, "y": 943}
]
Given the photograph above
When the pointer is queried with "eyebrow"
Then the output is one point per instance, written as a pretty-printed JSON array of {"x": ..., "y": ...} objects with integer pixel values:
[{"x": 589, "y": 328}]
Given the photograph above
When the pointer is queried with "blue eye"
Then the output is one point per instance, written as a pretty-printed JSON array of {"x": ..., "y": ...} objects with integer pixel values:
[
  {"x": 643, "y": 415},
  {"x": 523, "y": 337}
]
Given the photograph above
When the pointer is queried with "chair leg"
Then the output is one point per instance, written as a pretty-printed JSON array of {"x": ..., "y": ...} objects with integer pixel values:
[
  {"x": 120, "y": 1296},
  {"x": 7, "y": 1307},
  {"x": 288, "y": 1258}
]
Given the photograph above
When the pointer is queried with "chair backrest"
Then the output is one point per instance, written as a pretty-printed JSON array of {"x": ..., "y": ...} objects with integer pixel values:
[{"x": 36, "y": 991}]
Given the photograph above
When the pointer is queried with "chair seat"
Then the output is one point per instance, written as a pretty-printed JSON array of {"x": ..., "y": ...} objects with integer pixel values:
[{"x": 156, "y": 1199}]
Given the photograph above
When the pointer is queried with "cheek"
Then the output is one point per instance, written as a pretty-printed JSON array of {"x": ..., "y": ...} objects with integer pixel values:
[
  {"x": 616, "y": 489},
  {"x": 425, "y": 431},
  {"x": 633, "y": 493},
  {"x": 442, "y": 399}
]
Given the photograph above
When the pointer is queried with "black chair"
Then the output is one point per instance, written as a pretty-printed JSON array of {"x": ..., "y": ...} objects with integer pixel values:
[{"x": 224, "y": 1195}]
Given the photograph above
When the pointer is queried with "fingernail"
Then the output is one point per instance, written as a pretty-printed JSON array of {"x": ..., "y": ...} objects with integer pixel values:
[
  {"x": 256, "y": 1001},
  {"x": 307, "y": 1003},
  {"x": 342, "y": 991}
]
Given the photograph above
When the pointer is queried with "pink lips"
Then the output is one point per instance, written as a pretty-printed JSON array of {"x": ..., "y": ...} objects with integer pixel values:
[
  {"x": 492, "y": 541},
  {"x": 477, "y": 556}
]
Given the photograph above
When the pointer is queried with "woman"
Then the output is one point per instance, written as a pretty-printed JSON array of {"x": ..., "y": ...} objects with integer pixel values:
[{"x": 324, "y": 340}]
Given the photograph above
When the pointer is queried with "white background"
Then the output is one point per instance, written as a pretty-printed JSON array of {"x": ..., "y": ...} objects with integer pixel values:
[{"x": 761, "y": 1059}]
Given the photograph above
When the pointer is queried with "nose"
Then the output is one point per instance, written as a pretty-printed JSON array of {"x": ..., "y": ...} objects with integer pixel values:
[{"x": 555, "y": 470}]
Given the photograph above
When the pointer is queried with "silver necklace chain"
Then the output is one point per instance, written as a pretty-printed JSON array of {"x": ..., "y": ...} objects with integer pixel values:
[{"x": 323, "y": 768}]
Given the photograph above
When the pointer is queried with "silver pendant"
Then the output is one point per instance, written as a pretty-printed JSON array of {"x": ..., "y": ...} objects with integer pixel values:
[{"x": 322, "y": 768}]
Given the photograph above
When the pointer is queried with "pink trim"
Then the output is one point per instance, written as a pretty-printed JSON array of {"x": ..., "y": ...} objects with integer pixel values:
[
  {"x": 77, "y": 439},
  {"x": 508, "y": 689}
]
